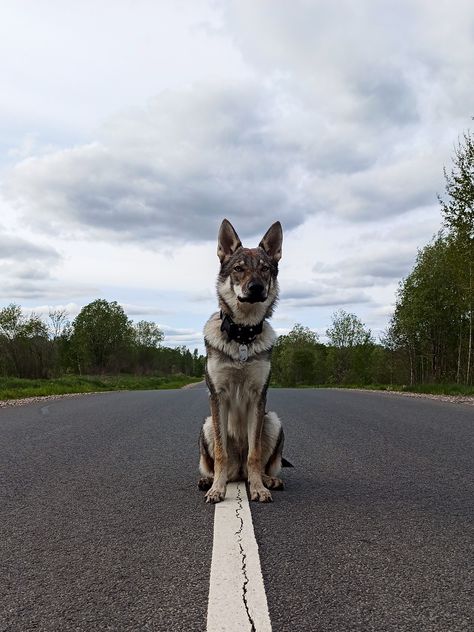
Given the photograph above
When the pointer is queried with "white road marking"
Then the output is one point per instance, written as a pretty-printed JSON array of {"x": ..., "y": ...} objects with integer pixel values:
[{"x": 237, "y": 600}]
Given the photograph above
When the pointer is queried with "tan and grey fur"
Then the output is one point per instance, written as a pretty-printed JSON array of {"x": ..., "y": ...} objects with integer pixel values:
[{"x": 240, "y": 440}]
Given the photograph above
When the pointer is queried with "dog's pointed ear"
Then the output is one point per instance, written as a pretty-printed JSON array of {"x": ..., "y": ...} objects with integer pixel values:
[
  {"x": 272, "y": 241},
  {"x": 228, "y": 241}
]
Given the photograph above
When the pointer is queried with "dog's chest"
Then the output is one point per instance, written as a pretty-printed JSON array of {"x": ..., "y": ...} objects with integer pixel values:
[{"x": 238, "y": 380}]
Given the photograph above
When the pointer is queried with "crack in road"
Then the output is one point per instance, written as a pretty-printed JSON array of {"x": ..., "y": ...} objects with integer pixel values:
[{"x": 243, "y": 557}]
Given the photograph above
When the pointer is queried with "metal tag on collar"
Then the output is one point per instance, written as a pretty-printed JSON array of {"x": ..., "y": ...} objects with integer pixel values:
[{"x": 243, "y": 353}]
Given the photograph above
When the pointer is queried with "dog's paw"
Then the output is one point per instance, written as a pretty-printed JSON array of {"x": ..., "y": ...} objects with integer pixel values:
[
  {"x": 215, "y": 495},
  {"x": 205, "y": 483},
  {"x": 272, "y": 482},
  {"x": 260, "y": 494}
]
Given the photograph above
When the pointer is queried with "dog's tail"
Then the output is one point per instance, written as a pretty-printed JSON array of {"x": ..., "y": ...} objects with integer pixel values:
[{"x": 285, "y": 463}]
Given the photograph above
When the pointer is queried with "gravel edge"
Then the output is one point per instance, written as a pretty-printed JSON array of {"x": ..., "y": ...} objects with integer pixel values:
[
  {"x": 4, "y": 403},
  {"x": 452, "y": 399}
]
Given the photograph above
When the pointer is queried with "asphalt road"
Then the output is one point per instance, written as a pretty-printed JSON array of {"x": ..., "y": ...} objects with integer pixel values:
[{"x": 102, "y": 526}]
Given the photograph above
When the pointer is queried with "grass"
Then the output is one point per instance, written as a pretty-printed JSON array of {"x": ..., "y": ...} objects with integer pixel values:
[
  {"x": 439, "y": 389},
  {"x": 432, "y": 389},
  {"x": 16, "y": 388}
]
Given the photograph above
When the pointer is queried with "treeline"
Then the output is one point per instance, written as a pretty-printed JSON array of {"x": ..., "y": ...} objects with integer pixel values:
[
  {"x": 101, "y": 339},
  {"x": 350, "y": 357},
  {"x": 433, "y": 321}
]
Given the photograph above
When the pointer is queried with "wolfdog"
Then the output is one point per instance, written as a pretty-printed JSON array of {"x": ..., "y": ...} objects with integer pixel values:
[{"x": 240, "y": 440}]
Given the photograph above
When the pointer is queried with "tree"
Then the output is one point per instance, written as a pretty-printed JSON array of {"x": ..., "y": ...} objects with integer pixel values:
[
  {"x": 147, "y": 340},
  {"x": 351, "y": 347},
  {"x": 102, "y": 336},
  {"x": 347, "y": 331},
  {"x": 58, "y": 322},
  {"x": 198, "y": 364},
  {"x": 429, "y": 311},
  {"x": 298, "y": 358},
  {"x": 24, "y": 343},
  {"x": 458, "y": 211},
  {"x": 148, "y": 334}
]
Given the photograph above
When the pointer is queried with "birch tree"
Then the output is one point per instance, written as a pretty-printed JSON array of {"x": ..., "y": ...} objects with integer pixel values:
[{"x": 458, "y": 211}]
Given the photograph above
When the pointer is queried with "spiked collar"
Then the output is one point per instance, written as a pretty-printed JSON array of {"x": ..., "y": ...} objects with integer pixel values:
[{"x": 243, "y": 334}]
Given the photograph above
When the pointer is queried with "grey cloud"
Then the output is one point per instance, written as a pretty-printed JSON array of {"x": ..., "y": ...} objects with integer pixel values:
[
  {"x": 25, "y": 267},
  {"x": 392, "y": 263},
  {"x": 153, "y": 177},
  {"x": 178, "y": 331},
  {"x": 30, "y": 272},
  {"x": 170, "y": 173},
  {"x": 17, "y": 289},
  {"x": 143, "y": 310},
  {"x": 182, "y": 336},
  {"x": 327, "y": 300},
  {"x": 386, "y": 269},
  {"x": 385, "y": 97},
  {"x": 369, "y": 269},
  {"x": 298, "y": 292},
  {"x": 324, "y": 297},
  {"x": 19, "y": 249},
  {"x": 341, "y": 118},
  {"x": 23, "y": 289}
]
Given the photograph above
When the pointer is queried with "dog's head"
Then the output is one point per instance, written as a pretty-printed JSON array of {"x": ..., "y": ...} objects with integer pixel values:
[{"x": 248, "y": 275}]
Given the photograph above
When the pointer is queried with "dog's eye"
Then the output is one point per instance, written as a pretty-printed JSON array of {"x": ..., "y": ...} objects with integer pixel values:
[
  {"x": 265, "y": 268},
  {"x": 238, "y": 269}
]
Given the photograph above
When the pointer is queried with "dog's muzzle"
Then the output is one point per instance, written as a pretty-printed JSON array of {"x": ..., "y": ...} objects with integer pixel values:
[{"x": 255, "y": 293}]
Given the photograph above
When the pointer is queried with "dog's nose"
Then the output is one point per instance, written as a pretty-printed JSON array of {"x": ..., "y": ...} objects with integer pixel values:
[{"x": 255, "y": 287}]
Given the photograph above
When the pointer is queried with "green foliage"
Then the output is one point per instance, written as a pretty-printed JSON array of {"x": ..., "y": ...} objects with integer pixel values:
[
  {"x": 15, "y": 388},
  {"x": 351, "y": 346},
  {"x": 351, "y": 357},
  {"x": 297, "y": 357},
  {"x": 147, "y": 334},
  {"x": 429, "y": 312},
  {"x": 100, "y": 340},
  {"x": 433, "y": 321},
  {"x": 25, "y": 349},
  {"x": 102, "y": 336},
  {"x": 347, "y": 331},
  {"x": 439, "y": 389},
  {"x": 458, "y": 209}
]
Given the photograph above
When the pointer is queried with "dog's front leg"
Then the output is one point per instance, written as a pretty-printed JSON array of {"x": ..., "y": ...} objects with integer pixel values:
[
  {"x": 254, "y": 462},
  {"x": 219, "y": 412}
]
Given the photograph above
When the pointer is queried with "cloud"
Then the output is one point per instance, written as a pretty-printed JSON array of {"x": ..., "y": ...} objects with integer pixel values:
[
  {"x": 17, "y": 289},
  {"x": 71, "y": 309},
  {"x": 18, "y": 249},
  {"x": 74, "y": 308},
  {"x": 170, "y": 172},
  {"x": 143, "y": 310},
  {"x": 311, "y": 295},
  {"x": 317, "y": 130},
  {"x": 370, "y": 267},
  {"x": 25, "y": 267},
  {"x": 182, "y": 336}
]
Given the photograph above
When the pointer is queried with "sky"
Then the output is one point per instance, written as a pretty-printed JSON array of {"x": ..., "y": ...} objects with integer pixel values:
[{"x": 129, "y": 130}]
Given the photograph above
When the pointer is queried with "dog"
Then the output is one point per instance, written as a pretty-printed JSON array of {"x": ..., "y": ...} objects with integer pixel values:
[{"x": 240, "y": 440}]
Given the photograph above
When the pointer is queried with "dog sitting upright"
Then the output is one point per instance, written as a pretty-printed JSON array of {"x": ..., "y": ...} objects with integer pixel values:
[{"x": 240, "y": 440}]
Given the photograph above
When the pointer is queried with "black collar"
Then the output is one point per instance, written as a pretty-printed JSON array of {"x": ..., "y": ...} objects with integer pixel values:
[{"x": 243, "y": 334}]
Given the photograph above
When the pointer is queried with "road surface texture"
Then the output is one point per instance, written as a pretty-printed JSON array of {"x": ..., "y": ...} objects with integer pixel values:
[{"x": 102, "y": 526}]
